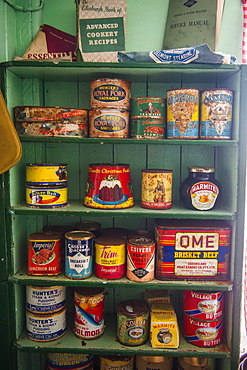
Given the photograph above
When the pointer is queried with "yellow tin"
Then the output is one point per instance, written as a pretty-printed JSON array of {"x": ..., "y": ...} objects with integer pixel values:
[
  {"x": 46, "y": 173},
  {"x": 46, "y": 196},
  {"x": 116, "y": 362}
]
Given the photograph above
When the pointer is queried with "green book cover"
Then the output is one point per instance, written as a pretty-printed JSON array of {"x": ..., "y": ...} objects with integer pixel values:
[{"x": 192, "y": 23}]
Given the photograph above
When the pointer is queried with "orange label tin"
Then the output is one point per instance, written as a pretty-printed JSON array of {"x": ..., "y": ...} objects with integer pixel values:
[{"x": 156, "y": 189}]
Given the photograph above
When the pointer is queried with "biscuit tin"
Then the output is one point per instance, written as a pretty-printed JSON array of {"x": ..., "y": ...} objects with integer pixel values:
[
  {"x": 156, "y": 190},
  {"x": 153, "y": 107},
  {"x": 203, "y": 305},
  {"x": 69, "y": 361},
  {"x": 44, "y": 300},
  {"x": 109, "y": 123},
  {"x": 147, "y": 128},
  {"x": 46, "y": 174},
  {"x": 192, "y": 249},
  {"x": 154, "y": 363},
  {"x": 51, "y": 196},
  {"x": 117, "y": 363}
]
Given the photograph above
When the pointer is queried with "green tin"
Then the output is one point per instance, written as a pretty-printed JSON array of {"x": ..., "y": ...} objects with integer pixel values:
[
  {"x": 148, "y": 107},
  {"x": 147, "y": 128}
]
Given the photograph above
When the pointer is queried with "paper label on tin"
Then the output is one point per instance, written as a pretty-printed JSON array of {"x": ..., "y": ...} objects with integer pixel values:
[
  {"x": 48, "y": 328},
  {"x": 78, "y": 258},
  {"x": 203, "y": 195},
  {"x": 79, "y": 262}
]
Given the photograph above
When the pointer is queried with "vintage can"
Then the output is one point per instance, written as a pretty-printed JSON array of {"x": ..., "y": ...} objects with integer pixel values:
[
  {"x": 45, "y": 300},
  {"x": 132, "y": 322},
  {"x": 216, "y": 114},
  {"x": 188, "y": 249},
  {"x": 109, "y": 186},
  {"x": 44, "y": 254},
  {"x": 140, "y": 234},
  {"x": 109, "y": 123},
  {"x": 79, "y": 254},
  {"x": 69, "y": 361},
  {"x": 89, "y": 312},
  {"x": 156, "y": 189},
  {"x": 182, "y": 113},
  {"x": 203, "y": 305},
  {"x": 154, "y": 363},
  {"x": 192, "y": 363},
  {"x": 46, "y": 328},
  {"x": 110, "y": 92},
  {"x": 151, "y": 107},
  {"x": 117, "y": 363},
  {"x": 44, "y": 174},
  {"x": 92, "y": 226},
  {"x": 147, "y": 128},
  {"x": 46, "y": 196},
  {"x": 119, "y": 232},
  {"x": 140, "y": 259},
  {"x": 110, "y": 257},
  {"x": 203, "y": 333}
]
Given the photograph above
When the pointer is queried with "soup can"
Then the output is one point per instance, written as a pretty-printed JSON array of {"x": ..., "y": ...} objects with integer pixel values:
[
  {"x": 156, "y": 189},
  {"x": 110, "y": 257},
  {"x": 110, "y": 92},
  {"x": 44, "y": 300},
  {"x": 151, "y": 107},
  {"x": 69, "y": 361},
  {"x": 109, "y": 186},
  {"x": 79, "y": 254},
  {"x": 117, "y": 363},
  {"x": 203, "y": 305},
  {"x": 109, "y": 123},
  {"x": 132, "y": 322},
  {"x": 182, "y": 113},
  {"x": 216, "y": 114},
  {"x": 147, "y": 128},
  {"x": 46, "y": 196},
  {"x": 89, "y": 312},
  {"x": 140, "y": 259},
  {"x": 44, "y": 254},
  {"x": 154, "y": 363},
  {"x": 42, "y": 174},
  {"x": 192, "y": 363},
  {"x": 92, "y": 226}
]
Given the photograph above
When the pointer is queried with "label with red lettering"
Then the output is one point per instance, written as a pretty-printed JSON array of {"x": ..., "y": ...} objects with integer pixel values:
[
  {"x": 203, "y": 195},
  {"x": 203, "y": 305}
]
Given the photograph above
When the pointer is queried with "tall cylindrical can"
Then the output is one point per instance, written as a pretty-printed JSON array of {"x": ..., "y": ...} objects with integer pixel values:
[
  {"x": 154, "y": 363},
  {"x": 203, "y": 305},
  {"x": 156, "y": 189},
  {"x": 117, "y": 363},
  {"x": 69, "y": 361},
  {"x": 44, "y": 300},
  {"x": 43, "y": 174}
]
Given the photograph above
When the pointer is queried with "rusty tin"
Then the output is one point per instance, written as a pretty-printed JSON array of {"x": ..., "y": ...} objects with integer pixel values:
[
  {"x": 117, "y": 363},
  {"x": 151, "y": 107},
  {"x": 51, "y": 196},
  {"x": 46, "y": 174},
  {"x": 69, "y": 361},
  {"x": 203, "y": 305},
  {"x": 109, "y": 123},
  {"x": 147, "y": 128},
  {"x": 44, "y": 300},
  {"x": 156, "y": 189}
]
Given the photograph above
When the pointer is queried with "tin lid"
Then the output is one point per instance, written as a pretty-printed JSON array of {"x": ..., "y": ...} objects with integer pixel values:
[
  {"x": 132, "y": 308},
  {"x": 117, "y": 358},
  {"x": 157, "y": 171},
  {"x": 88, "y": 291},
  {"x": 195, "y": 361},
  {"x": 149, "y": 98},
  {"x": 110, "y": 80},
  {"x": 201, "y": 169},
  {"x": 141, "y": 233},
  {"x": 141, "y": 241},
  {"x": 79, "y": 235},
  {"x": 109, "y": 240},
  {"x": 108, "y": 165},
  {"x": 88, "y": 225},
  {"x": 44, "y": 236},
  {"x": 154, "y": 358}
]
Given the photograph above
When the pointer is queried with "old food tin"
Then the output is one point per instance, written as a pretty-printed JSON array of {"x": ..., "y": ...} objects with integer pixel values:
[
  {"x": 140, "y": 259},
  {"x": 203, "y": 333},
  {"x": 154, "y": 362},
  {"x": 153, "y": 107},
  {"x": 140, "y": 234},
  {"x": 109, "y": 123},
  {"x": 156, "y": 189},
  {"x": 182, "y": 113},
  {"x": 44, "y": 300},
  {"x": 216, "y": 114},
  {"x": 51, "y": 196},
  {"x": 119, "y": 232},
  {"x": 44, "y": 254},
  {"x": 110, "y": 92},
  {"x": 117, "y": 363},
  {"x": 110, "y": 257},
  {"x": 192, "y": 363},
  {"x": 46, "y": 328},
  {"x": 89, "y": 312},
  {"x": 79, "y": 254},
  {"x": 109, "y": 186},
  {"x": 147, "y": 128},
  {"x": 46, "y": 174},
  {"x": 132, "y": 322},
  {"x": 189, "y": 249},
  {"x": 203, "y": 305},
  {"x": 92, "y": 226},
  {"x": 69, "y": 361}
]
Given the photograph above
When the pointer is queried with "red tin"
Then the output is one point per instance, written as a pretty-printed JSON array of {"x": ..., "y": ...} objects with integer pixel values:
[{"x": 203, "y": 305}]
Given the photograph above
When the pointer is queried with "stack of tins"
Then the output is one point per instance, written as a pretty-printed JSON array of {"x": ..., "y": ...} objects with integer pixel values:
[
  {"x": 69, "y": 361},
  {"x": 46, "y": 185},
  {"x": 45, "y": 313},
  {"x": 148, "y": 117},
  {"x": 203, "y": 317},
  {"x": 109, "y": 108}
]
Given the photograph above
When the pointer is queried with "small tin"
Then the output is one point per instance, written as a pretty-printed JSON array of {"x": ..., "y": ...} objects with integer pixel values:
[
  {"x": 92, "y": 226},
  {"x": 132, "y": 322},
  {"x": 147, "y": 128},
  {"x": 109, "y": 123},
  {"x": 203, "y": 333},
  {"x": 110, "y": 257},
  {"x": 46, "y": 196},
  {"x": 182, "y": 113},
  {"x": 69, "y": 361},
  {"x": 156, "y": 189},
  {"x": 89, "y": 312},
  {"x": 192, "y": 363},
  {"x": 151, "y": 107},
  {"x": 140, "y": 259},
  {"x": 154, "y": 363},
  {"x": 79, "y": 254},
  {"x": 43, "y": 174},
  {"x": 203, "y": 305},
  {"x": 45, "y": 300},
  {"x": 46, "y": 328},
  {"x": 109, "y": 186},
  {"x": 119, "y": 232},
  {"x": 110, "y": 92},
  {"x": 216, "y": 114},
  {"x": 44, "y": 254},
  {"x": 117, "y": 363}
]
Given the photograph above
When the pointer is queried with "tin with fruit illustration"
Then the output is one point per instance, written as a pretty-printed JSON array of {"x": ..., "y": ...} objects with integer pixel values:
[
  {"x": 156, "y": 189},
  {"x": 43, "y": 174},
  {"x": 203, "y": 305}
]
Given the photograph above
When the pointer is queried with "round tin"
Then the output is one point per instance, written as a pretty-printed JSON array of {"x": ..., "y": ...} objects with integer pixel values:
[
  {"x": 154, "y": 362},
  {"x": 69, "y": 361},
  {"x": 182, "y": 113},
  {"x": 110, "y": 257},
  {"x": 109, "y": 186},
  {"x": 108, "y": 122},
  {"x": 43, "y": 174},
  {"x": 92, "y": 226},
  {"x": 119, "y": 232},
  {"x": 62, "y": 229},
  {"x": 110, "y": 92},
  {"x": 44, "y": 254},
  {"x": 44, "y": 300},
  {"x": 46, "y": 328},
  {"x": 46, "y": 196},
  {"x": 133, "y": 234},
  {"x": 156, "y": 189},
  {"x": 132, "y": 322},
  {"x": 116, "y": 362},
  {"x": 203, "y": 333},
  {"x": 192, "y": 363},
  {"x": 216, "y": 114},
  {"x": 79, "y": 254},
  {"x": 140, "y": 259},
  {"x": 151, "y": 107},
  {"x": 147, "y": 128},
  {"x": 89, "y": 312},
  {"x": 203, "y": 305}
]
